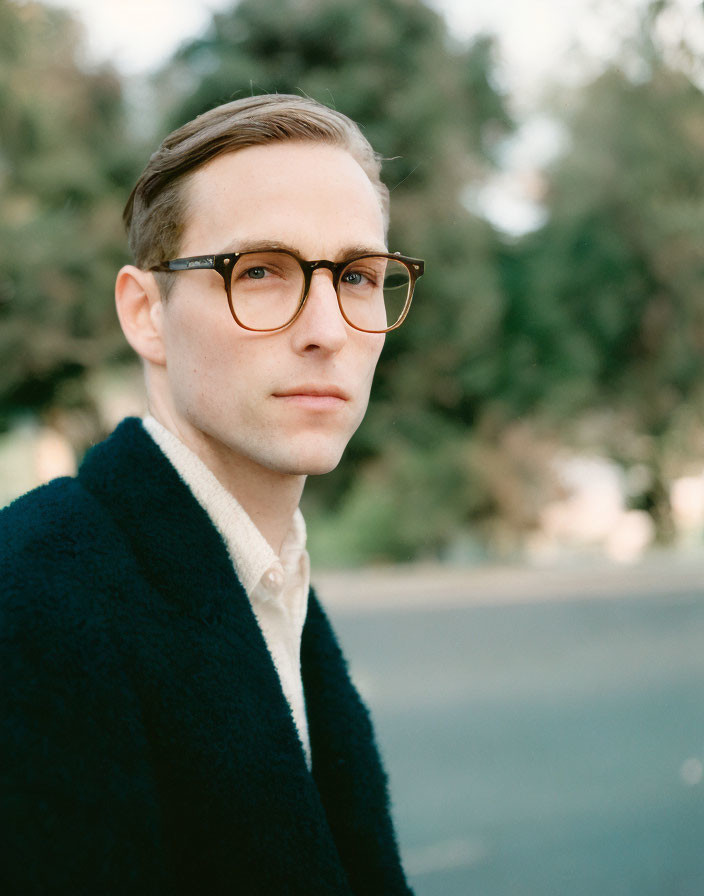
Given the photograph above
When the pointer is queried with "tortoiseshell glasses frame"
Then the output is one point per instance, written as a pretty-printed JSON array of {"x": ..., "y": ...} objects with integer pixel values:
[{"x": 399, "y": 273}]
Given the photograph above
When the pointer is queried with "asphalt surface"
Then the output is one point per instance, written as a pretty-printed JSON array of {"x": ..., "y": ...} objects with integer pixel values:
[{"x": 543, "y": 729}]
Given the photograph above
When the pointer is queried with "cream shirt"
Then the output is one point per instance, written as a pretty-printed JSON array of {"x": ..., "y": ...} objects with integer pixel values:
[{"x": 277, "y": 586}]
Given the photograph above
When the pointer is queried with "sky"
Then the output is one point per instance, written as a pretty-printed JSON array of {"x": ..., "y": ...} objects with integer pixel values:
[
  {"x": 538, "y": 41},
  {"x": 535, "y": 35}
]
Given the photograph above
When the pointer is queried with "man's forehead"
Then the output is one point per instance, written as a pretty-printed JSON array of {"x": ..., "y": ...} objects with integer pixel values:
[
  {"x": 310, "y": 198},
  {"x": 272, "y": 158}
]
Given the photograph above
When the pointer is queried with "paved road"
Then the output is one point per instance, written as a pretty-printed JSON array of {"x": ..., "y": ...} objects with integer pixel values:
[{"x": 544, "y": 731}]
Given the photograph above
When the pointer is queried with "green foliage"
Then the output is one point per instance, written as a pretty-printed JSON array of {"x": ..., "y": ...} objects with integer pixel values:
[
  {"x": 621, "y": 259},
  {"x": 605, "y": 305},
  {"x": 401, "y": 506},
  {"x": 64, "y": 168}
]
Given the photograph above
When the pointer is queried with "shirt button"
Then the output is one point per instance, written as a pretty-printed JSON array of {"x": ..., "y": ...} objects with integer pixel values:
[{"x": 273, "y": 579}]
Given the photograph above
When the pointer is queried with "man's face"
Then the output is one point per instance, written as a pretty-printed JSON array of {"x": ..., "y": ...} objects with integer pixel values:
[{"x": 287, "y": 401}]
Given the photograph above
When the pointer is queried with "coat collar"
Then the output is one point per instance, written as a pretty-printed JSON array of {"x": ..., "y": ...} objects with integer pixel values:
[{"x": 169, "y": 533}]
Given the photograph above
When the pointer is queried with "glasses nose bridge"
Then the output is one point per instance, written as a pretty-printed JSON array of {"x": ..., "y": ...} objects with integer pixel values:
[{"x": 310, "y": 267}]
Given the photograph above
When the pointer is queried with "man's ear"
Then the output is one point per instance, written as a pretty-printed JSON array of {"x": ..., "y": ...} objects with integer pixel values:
[{"x": 140, "y": 308}]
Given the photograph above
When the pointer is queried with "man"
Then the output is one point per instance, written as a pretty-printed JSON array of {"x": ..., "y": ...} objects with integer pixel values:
[{"x": 179, "y": 717}]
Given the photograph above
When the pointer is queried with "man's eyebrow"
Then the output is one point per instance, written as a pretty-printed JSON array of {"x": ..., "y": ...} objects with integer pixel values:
[
  {"x": 256, "y": 246},
  {"x": 259, "y": 245},
  {"x": 356, "y": 251}
]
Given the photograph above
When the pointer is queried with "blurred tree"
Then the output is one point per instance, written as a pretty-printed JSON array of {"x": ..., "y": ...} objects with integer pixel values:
[
  {"x": 431, "y": 107},
  {"x": 65, "y": 168},
  {"x": 606, "y": 306}
]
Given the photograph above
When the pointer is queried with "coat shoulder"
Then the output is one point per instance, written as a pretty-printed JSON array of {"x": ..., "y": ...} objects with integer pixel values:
[{"x": 54, "y": 541}]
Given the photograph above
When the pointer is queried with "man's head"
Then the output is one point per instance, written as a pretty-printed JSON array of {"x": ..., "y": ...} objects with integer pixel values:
[{"x": 273, "y": 171}]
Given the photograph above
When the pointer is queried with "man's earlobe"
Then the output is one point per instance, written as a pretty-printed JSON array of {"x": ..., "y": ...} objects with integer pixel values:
[{"x": 139, "y": 308}]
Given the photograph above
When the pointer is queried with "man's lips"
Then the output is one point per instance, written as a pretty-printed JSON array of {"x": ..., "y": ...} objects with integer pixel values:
[
  {"x": 314, "y": 397},
  {"x": 313, "y": 392}
]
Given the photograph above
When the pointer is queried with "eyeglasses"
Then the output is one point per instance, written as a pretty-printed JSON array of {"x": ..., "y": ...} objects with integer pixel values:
[{"x": 267, "y": 288}]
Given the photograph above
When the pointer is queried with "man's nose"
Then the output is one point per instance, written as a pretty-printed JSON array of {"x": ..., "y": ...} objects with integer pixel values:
[{"x": 320, "y": 324}]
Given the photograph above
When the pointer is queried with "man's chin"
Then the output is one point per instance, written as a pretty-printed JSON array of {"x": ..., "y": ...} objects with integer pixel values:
[
  {"x": 321, "y": 469},
  {"x": 312, "y": 467},
  {"x": 310, "y": 464},
  {"x": 309, "y": 456}
]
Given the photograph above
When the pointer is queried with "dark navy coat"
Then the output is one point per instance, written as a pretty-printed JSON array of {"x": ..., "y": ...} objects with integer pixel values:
[{"x": 147, "y": 747}]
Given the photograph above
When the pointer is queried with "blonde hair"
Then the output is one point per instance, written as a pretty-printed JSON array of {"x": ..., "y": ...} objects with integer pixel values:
[{"x": 155, "y": 212}]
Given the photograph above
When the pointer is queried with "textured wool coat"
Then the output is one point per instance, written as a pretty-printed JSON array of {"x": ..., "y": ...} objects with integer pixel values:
[{"x": 147, "y": 747}]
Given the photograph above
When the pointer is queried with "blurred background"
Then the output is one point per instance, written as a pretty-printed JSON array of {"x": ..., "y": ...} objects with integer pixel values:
[{"x": 531, "y": 466}]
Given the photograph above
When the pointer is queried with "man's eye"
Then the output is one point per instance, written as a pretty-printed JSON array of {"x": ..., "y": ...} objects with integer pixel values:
[
  {"x": 357, "y": 278},
  {"x": 255, "y": 273}
]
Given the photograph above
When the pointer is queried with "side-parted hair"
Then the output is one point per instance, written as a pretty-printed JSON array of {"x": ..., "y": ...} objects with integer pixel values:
[{"x": 155, "y": 214}]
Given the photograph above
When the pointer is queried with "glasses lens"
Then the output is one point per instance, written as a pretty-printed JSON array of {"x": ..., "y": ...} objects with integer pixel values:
[
  {"x": 266, "y": 289},
  {"x": 374, "y": 292}
]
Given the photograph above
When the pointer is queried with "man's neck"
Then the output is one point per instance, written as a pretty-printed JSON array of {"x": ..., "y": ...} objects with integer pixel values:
[{"x": 268, "y": 497}]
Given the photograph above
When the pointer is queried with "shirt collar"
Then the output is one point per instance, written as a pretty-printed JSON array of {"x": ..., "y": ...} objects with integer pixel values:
[{"x": 255, "y": 561}]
